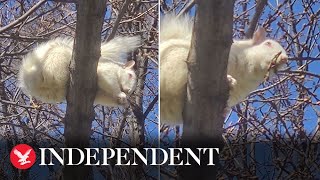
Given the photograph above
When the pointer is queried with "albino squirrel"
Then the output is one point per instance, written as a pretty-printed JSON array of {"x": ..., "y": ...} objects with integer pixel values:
[
  {"x": 250, "y": 61},
  {"x": 44, "y": 72}
]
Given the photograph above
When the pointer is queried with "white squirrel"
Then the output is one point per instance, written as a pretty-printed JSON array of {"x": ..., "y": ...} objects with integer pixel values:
[
  {"x": 44, "y": 72},
  {"x": 250, "y": 61}
]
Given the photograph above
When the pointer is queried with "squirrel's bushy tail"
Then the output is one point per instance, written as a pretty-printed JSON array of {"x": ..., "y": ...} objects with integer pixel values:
[
  {"x": 174, "y": 27},
  {"x": 117, "y": 48}
]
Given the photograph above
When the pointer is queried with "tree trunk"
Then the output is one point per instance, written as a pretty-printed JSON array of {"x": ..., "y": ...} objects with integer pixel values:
[
  {"x": 207, "y": 87},
  {"x": 83, "y": 82}
]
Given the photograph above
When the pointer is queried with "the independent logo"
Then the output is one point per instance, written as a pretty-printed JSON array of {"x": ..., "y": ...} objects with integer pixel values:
[{"x": 22, "y": 156}]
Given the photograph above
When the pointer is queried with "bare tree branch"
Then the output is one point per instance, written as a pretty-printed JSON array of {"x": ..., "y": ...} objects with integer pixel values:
[
  {"x": 187, "y": 8},
  {"x": 23, "y": 17},
  {"x": 253, "y": 23},
  {"x": 117, "y": 21}
]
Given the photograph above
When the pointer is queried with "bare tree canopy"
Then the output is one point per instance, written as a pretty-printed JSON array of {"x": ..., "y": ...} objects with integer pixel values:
[
  {"x": 25, "y": 25},
  {"x": 273, "y": 133}
]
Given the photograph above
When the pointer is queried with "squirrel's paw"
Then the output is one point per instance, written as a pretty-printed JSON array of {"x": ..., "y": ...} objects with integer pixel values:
[
  {"x": 34, "y": 104},
  {"x": 231, "y": 81},
  {"x": 122, "y": 98}
]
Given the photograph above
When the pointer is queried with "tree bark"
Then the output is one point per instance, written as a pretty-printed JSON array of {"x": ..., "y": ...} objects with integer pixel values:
[
  {"x": 207, "y": 87},
  {"x": 83, "y": 82}
]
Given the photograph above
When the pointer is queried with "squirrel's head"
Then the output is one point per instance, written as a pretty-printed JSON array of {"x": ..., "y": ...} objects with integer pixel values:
[
  {"x": 268, "y": 53},
  {"x": 128, "y": 79}
]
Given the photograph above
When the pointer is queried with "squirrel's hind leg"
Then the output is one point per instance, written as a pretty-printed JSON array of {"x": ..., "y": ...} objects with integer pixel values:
[{"x": 231, "y": 81}]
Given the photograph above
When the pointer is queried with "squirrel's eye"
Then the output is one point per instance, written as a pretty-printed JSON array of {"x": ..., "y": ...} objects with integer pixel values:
[
  {"x": 268, "y": 44},
  {"x": 130, "y": 76}
]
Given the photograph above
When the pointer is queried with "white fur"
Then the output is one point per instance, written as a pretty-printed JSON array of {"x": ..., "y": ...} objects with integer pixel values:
[
  {"x": 249, "y": 62},
  {"x": 117, "y": 49},
  {"x": 114, "y": 83},
  {"x": 173, "y": 27},
  {"x": 44, "y": 72}
]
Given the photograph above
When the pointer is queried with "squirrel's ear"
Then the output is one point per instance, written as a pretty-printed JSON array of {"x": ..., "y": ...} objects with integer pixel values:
[
  {"x": 129, "y": 65},
  {"x": 259, "y": 36}
]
